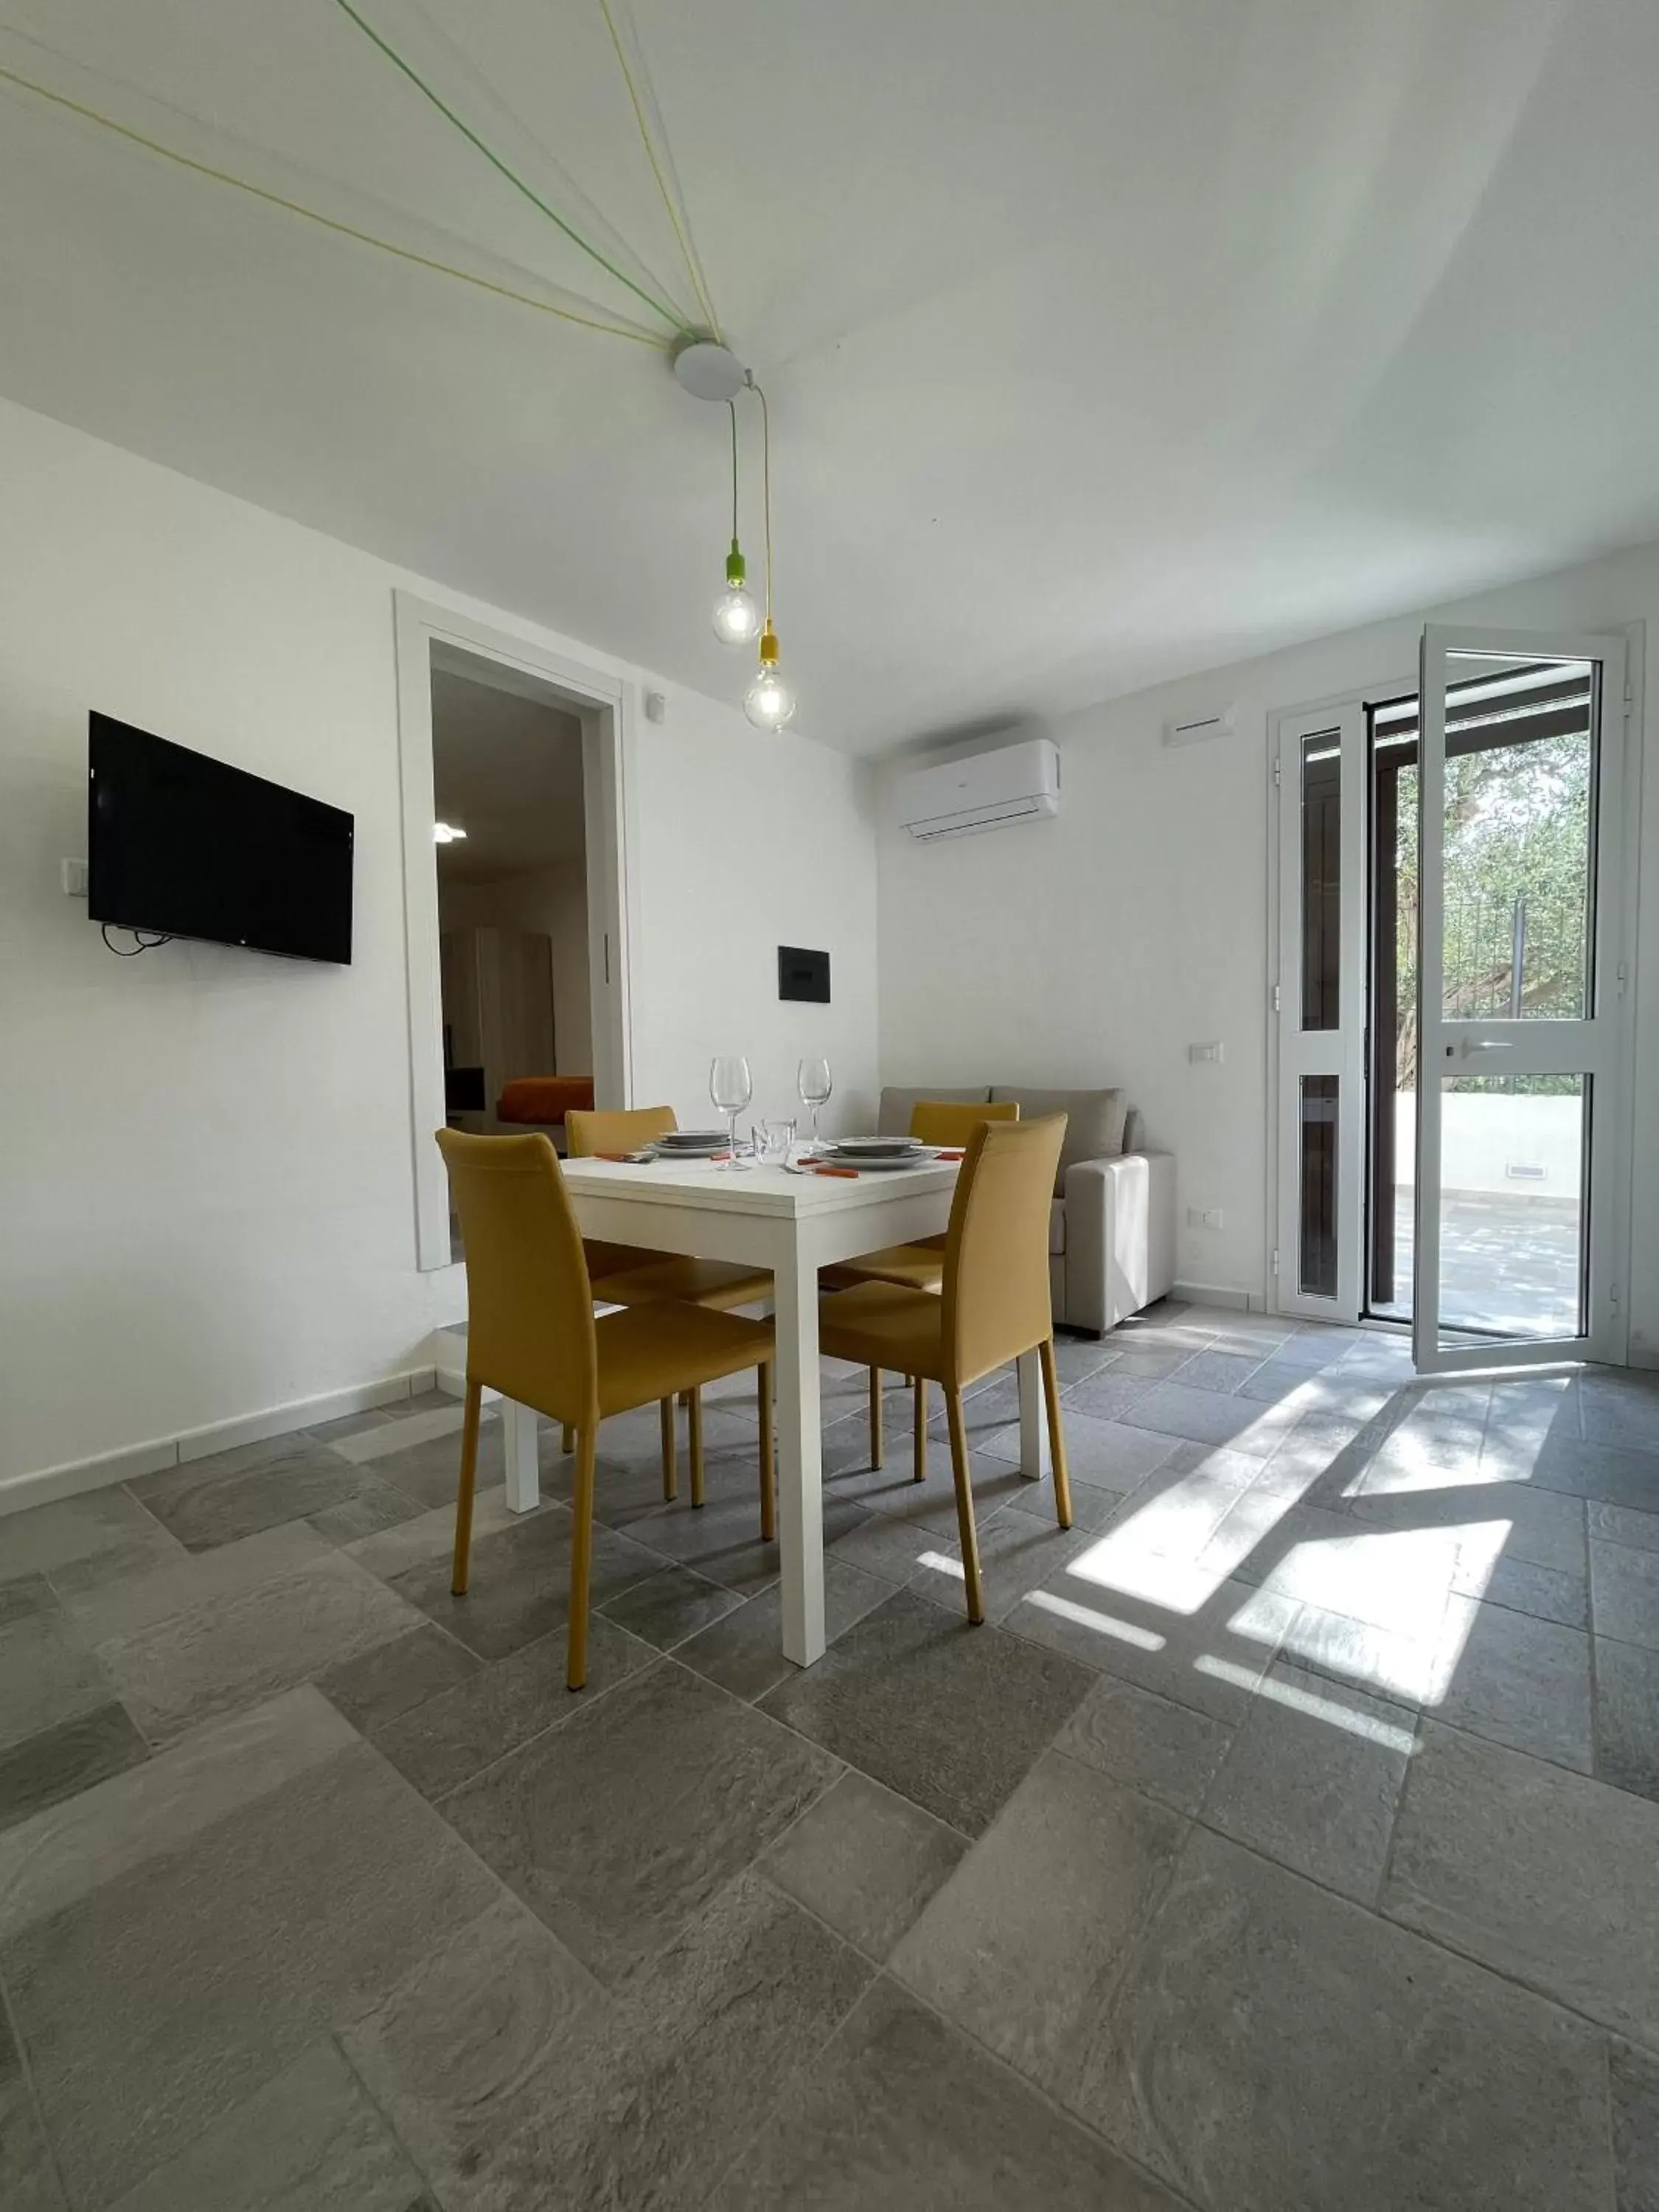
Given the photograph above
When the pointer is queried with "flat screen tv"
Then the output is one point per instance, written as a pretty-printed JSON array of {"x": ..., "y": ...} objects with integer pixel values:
[{"x": 189, "y": 846}]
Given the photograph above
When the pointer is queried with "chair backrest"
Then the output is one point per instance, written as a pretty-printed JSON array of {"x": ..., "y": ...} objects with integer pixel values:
[
  {"x": 529, "y": 1305},
  {"x": 619, "y": 1129},
  {"x": 944, "y": 1121},
  {"x": 996, "y": 1251}
]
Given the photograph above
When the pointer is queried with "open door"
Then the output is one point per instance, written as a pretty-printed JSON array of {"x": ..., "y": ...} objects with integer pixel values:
[{"x": 1522, "y": 1135}]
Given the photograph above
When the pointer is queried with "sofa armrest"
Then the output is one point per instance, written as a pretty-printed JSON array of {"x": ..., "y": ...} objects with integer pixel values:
[{"x": 1120, "y": 1237}]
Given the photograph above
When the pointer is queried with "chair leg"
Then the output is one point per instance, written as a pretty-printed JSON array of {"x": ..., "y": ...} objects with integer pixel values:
[
  {"x": 1056, "y": 1434},
  {"x": 581, "y": 1554},
  {"x": 567, "y": 1439},
  {"x": 464, "y": 1492},
  {"x": 696, "y": 1447},
  {"x": 768, "y": 1481},
  {"x": 670, "y": 1472},
  {"x": 875, "y": 1447},
  {"x": 964, "y": 1503},
  {"x": 919, "y": 1424}
]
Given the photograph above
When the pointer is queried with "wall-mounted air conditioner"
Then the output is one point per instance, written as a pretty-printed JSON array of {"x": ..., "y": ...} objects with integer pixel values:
[{"x": 987, "y": 791}]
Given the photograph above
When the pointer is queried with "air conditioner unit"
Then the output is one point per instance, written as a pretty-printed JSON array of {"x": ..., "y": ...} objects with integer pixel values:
[{"x": 987, "y": 791}]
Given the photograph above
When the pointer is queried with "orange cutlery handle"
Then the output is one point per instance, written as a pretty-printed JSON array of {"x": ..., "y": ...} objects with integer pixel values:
[{"x": 853, "y": 1172}]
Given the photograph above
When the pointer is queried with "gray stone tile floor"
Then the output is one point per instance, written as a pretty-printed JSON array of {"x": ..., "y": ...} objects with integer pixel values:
[{"x": 1284, "y": 1841}]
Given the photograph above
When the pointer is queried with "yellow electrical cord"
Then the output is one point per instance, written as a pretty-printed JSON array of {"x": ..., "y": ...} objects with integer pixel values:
[
  {"x": 688, "y": 252},
  {"x": 328, "y": 223}
]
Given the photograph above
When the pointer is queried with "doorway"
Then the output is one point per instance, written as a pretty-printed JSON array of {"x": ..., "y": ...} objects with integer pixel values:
[
  {"x": 1453, "y": 1141},
  {"x": 517, "y": 928}
]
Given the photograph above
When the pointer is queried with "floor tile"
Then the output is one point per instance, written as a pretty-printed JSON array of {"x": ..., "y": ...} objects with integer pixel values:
[
  {"x": 310, "y": 2141},
  {"x": 155, "y": 1588},
  {"x": 1617, "y": 1524},
  {"x": 25, "y": 1595},
  {"x": 402, "y": 1432},
  {"x": 428, "y": 1471},
  {"x": 62, "y": 1761},
  {"x": 1510, "y": 1520},
  {"x": 51, "y": 1862},
  {"x": 373, "y": 1505},
  {"x": 1397, "y": 1578},
  {"x": 390, "y": 1678},
  {"x": 1625, "y": 1594},
  {"x": 883, "y": 1546},
  {"x": 949, "y": 1716},
  {"x": 1022, "y": 1946},
  {"x": 744, "y": 1653},
  {"x": 1225, "y": 1371},
  {"x": 454, "y": 2049},
  {"x": 295, "y": 1912},
  {"x": 1165, "y": 1750},
  {"x": 902, "y": 2114},
  {"x": 1016, "y": 1553},
  {"x": 620, "y": 1825},
  {"x": 28, "y": 2180},
  {"x": 48, "y": 1537},
  {"x": 1109, "y": 1395},
  {"x": 1106, "y": 1455},
  {"x": 1209, "y": 1417},
  {"x": 445, "y": 1741},
  {"x": 670, "y": 1605},
  {"x": 518, "y": 1585},
  {"x": 1517, "y": 1680},
  {"x": 1387, "y": 1663},
  {"x": 1211, "y": 1659},
  {"x": 1634, "y": 2081},
  {"x": 1140, "y": 1363},
  {"x": 431, "y": 1535},
  {"x": 1627, "y": 1717},
  {"x": 1276, "y": 2049},
  {"x": 1153, "y": 1547},
  {"x": 1532, "y": 1870},
  {"x": 208, "y": 1502},
  {"x": 722, "y": 1540},
  {"x": 1092, "y": 1509},
  {"x": 1621, "y": 1406},
  {"x": 1546, "y": 1593},
  {"x": 240, "y": 1650},
  {"x": 864, "y": 1861},
  {"x": 1604, "y": 1474},
  {"x": 1313, "y": 1780},
  {"x": 47, "y": 1675}
]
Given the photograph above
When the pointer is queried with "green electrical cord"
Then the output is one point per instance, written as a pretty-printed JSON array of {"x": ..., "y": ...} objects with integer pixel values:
[
  {"x": 495, "y": 162},
  {"x": 732, "y": 409}
]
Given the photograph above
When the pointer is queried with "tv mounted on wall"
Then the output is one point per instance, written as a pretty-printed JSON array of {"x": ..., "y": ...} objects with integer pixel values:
[{"x": 189, "y": 846}]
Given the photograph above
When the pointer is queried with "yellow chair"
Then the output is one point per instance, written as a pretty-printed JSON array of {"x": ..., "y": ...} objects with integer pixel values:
[
  {"x": 993, "y": 1305},
  {"x": 532, "y": 1334},
  {"x": 919, "y": 1267},
  {"x": 627, "y": 1275}
]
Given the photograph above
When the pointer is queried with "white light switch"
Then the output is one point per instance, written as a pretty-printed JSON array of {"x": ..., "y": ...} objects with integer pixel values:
[
  {"x": 1206, "y": 1216},
  {"x": 1213, "y": 1053},
  {"x": 656, "y": 707},
  {"x": 75, "y": 879}
]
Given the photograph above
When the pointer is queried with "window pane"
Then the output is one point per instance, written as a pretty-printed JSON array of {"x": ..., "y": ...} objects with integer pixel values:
[
  {"x": 1512, "y": 1182},
  {"x": 1316, "y": 1269},
  {"x": 1520, "y": 792},
  {"x": 1321, "y": 879}
]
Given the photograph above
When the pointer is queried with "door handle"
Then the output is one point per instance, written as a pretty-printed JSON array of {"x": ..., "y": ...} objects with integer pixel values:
[{"x": 1487, "y": 1044}]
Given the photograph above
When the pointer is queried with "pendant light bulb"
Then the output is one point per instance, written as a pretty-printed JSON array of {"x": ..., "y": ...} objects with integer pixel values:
[
  {"x": 736, "y": 617},
  {"x": 768, "y": 702}
]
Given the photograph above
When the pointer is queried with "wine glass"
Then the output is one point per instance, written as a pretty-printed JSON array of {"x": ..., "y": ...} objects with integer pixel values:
[
  {"x": 814, "y": 1082},
  {"x": 730, "y": 1089}
]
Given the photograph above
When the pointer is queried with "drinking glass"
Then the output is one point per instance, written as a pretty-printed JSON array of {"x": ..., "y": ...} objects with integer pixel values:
[
  {"x": 773, "y": 1143},
  {"x": 814, "y": 1082},
  {"x": 730, "y": 1089}
]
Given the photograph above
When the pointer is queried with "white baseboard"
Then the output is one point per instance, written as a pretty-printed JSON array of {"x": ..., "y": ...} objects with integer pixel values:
[
  {"x": 1218, "y": 1294},
  {"x": 48, "y": 1484}
]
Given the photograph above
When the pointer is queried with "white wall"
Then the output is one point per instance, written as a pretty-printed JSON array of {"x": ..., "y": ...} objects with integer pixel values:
[
  {"x": 205, "y": 1155},
  {"x": 553, "y": 901},
  {"x": 1097, "y": 947}
]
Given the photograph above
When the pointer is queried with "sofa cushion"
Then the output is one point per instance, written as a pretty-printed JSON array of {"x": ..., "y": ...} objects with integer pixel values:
[
  {"x": 894, "y": 1120},
  {"x": 1056, "y": 1226},
  {"x": 1094, "y": 1126}
]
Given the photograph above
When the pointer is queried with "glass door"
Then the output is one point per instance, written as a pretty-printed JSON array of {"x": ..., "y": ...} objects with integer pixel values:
[{"x": 1511, "y": 1062}]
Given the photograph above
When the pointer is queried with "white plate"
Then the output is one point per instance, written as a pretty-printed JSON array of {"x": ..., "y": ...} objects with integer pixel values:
[{"x": 867, "y": 1164}]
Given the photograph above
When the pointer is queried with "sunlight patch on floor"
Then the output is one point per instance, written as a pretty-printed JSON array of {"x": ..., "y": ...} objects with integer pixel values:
[
  {"x": 1104, "y": 1624},
  {"x": 1329, "y": 1709}
]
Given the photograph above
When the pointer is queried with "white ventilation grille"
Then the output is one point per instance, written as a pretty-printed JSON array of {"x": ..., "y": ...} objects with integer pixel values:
[{"x": 1198, "y": 729}]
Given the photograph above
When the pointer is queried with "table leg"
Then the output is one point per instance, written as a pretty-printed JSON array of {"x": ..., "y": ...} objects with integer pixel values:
[
  {"x": 1034, "y": 1456},
  {"x": 800, "y": 1459},
  {"x": 524, "y": 1492}
]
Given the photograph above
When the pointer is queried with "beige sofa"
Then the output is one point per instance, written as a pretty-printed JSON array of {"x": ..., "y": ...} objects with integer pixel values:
[{"x": 1112, "y": 1226}]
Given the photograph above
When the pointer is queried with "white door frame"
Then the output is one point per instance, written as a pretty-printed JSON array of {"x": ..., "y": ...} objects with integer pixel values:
[
  {"x": 1598, "y": 1045},
  {"x": 604, "y": 705}
]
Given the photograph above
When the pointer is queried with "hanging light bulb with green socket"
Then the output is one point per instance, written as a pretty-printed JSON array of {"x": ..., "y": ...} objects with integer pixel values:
[
  {"x": 736, "y": 617},
  {"x": 768, "y": 702}
]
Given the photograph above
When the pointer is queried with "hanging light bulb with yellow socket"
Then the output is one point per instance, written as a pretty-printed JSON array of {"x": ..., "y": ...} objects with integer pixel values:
[
  {"x": 737, "y": 617},
  {"x": 768, "y": 702}
]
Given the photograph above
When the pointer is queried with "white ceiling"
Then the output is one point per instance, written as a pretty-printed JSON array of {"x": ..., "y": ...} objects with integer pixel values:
[
  {"x": 508, "y": 771},
  {"x": 1106, "y": 339}
]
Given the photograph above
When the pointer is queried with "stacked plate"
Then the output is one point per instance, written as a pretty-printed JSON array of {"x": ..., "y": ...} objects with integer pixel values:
[
  {"x": 874, "y": 1151},
  {"x": 691, "y": 1144}
]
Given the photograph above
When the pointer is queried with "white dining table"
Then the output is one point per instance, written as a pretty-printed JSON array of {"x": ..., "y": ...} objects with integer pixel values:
[{"x": 794, "y": 1224}]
